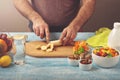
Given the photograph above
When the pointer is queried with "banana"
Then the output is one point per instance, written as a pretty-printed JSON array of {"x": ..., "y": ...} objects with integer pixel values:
[
  {"x": 56, "y": 43},
  {"x": 50, "y": 46}
]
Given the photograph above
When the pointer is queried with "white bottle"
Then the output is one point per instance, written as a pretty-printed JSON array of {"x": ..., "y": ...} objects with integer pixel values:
[{"x": 114, "y": 37}]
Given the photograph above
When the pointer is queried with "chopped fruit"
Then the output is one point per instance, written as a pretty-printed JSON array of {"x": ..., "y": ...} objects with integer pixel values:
[
  {"x": 88, "y": 56},
  {"x": 5, "y": 61},
  {"x": 105, "y": 52},
  {"x": 80, "y": 47},
  {"x": 5, "y": 40},
  {"x": 1, "y": 48},
  {"x": 86, "y": 61},
  {"x": 85, "y": 58},
  {"x": 9, "y": 42},
  {"x": 76, "y": 57},
  {"x": 3, "y": 45},
  {"x": 4, "y": 36}
]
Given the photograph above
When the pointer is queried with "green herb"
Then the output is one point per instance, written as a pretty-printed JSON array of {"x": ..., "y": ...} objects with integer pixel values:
[
  {"x": 109, "y": 55},
  {"x": 81, "y": 50}
]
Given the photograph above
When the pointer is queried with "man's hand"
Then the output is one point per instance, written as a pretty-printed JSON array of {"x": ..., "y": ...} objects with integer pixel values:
[
  {"x": 68, "y": 34},
  {"x": 84, "y": 13},
  {"x": 39, "y": 25},
  {"x": 41, "y": 29}
]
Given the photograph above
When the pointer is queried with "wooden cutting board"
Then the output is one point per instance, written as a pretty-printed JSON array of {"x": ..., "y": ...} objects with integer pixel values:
[{"x": 62, "y": 51}]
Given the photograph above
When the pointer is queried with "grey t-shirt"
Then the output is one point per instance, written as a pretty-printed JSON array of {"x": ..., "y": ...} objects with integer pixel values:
[{"x": 57, "y": 13}]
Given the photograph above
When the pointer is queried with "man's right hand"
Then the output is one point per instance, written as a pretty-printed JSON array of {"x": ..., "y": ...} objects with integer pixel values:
[{"x": 41, "y": 29}]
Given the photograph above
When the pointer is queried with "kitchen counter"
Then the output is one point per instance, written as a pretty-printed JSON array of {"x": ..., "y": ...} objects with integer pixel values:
[{"x": 55, "y": 68}]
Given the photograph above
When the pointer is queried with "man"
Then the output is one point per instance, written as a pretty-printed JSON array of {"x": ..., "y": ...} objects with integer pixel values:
[{"x": 46, "y": 16}]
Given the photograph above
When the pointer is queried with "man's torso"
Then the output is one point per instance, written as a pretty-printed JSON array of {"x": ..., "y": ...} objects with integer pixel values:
[{"x": 57, "y": 12}]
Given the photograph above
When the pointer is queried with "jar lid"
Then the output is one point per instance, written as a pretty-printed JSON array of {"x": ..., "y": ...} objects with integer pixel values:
[
  {"x": 19, "y": 37},
  {"x": 116, "y": 24}
]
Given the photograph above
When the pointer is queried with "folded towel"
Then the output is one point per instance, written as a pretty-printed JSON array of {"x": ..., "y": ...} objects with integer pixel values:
[{"x": 100, "y": 38}]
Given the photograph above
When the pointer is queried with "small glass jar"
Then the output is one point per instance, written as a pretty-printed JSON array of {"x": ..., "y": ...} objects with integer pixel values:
[{"x": 19, "y": 42}]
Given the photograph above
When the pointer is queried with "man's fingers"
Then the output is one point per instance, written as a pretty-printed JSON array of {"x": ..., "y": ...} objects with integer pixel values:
[
  {"x": 67, "y": 38},
  {"x": 64, "y": 33},
  {"x": 37, "y": 31},
  {"x": 72, "y": 38},
  {"x": 47, "y": 34},
  {"x": 41, "y": 33}
]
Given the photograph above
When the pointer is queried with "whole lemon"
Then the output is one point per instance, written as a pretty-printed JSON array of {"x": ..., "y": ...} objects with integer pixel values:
[{"x": 5, "y": 61}]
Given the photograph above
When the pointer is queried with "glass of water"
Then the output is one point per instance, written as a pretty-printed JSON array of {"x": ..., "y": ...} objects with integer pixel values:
[{"x": 19, "y": 57}]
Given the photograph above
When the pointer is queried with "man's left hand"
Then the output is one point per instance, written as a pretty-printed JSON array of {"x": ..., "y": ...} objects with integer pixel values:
[{"x": 68, "y": 34}]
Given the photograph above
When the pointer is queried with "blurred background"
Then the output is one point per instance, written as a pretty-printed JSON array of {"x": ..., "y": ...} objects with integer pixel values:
[{"x": 106, "y": 13}]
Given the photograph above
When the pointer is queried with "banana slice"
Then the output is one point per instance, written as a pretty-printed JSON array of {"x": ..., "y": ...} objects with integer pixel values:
[
  {"x": 43, "y": 48},
  {"x": 49, "y": 50},
  {"x": 51, "y": 47}
]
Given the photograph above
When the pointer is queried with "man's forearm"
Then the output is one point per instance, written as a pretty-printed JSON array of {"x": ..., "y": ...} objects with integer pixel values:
[
  {"x": 24, "y": 7},
  {"x": 84, "y": 13}
]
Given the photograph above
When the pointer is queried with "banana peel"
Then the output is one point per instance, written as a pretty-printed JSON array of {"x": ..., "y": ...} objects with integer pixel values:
[{"x": 100, "y": 38}]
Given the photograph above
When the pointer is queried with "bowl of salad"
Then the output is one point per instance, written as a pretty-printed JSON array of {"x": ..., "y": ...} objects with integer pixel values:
[{"x": 105, "y": 56}]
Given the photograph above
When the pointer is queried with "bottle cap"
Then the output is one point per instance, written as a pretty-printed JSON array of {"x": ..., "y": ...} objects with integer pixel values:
[{"x": 116, "y": 24}]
